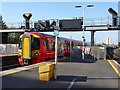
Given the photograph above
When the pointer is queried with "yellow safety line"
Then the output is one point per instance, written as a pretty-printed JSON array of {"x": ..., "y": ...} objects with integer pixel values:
[
  {"x": 28, "y": 68},
  {"x": 114, "y": 68},
  {"x": 19, "y": 71}
]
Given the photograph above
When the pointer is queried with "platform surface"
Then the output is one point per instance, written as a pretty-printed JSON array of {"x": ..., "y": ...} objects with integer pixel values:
[{"x": 75, "y": 74}]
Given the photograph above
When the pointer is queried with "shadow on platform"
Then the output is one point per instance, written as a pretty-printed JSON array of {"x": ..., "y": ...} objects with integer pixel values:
[{"x": 79, "y": 60}]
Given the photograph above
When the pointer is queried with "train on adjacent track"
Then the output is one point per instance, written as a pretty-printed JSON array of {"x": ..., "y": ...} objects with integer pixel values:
[{"x": 35, "y": 47}]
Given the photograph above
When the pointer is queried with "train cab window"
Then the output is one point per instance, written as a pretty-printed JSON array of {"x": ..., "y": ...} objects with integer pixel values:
[
  {"x": 47, "y": 43},
  {"x": 20, "y": 44},
  {"x": 53, "y": 46},
  {"x": 36, "y": 43}
]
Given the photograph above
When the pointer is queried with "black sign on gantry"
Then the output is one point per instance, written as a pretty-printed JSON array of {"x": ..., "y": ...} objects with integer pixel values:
[{"x": 70, "y": 24}]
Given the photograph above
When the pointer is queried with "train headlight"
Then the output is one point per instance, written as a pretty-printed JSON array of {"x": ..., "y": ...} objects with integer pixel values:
[
  {"x": 36, "y": 54},
  {"x": 20, "y": 53}
]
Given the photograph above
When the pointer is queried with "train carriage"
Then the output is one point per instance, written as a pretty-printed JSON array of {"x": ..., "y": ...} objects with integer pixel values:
[{"x": 37, "y": 47}]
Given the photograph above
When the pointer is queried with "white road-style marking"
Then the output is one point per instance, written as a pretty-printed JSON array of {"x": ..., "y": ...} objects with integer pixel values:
[{"x": 71, "y": 84}]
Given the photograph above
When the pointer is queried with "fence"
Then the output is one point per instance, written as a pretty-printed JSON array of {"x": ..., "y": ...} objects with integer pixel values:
[
  {"x": 98, "y": 21},
  {"x": 91, "y": 53},
  {"x": 8, "y": 49},
  {"x": 88, "y": 22}
]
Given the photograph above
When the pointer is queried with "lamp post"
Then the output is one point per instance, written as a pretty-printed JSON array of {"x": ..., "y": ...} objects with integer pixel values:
[{"x": 83, "y": 38}]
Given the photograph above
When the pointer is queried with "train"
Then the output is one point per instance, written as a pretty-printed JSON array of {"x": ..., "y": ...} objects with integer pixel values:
[{"x": 35, "y": 47}]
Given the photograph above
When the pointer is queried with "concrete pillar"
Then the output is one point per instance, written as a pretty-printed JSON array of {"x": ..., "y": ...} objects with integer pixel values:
[{"x": 92, "y": 38}]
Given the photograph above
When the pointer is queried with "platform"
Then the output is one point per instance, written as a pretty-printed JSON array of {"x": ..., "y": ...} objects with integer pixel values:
[{"x": 89, "y": 74}]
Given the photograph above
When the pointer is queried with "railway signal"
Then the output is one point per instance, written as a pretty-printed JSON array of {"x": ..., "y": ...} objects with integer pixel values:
[
  {"x": 27, "y": 17},
  {"x": 114, "y": 16}
]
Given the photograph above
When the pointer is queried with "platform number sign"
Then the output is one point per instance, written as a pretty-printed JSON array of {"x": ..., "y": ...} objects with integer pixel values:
[{"x": 56, "y": 32}]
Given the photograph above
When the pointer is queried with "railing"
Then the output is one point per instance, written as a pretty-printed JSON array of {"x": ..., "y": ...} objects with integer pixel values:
[
  {"x": 91, "y": 53},
  {"x": 98, "y": 21},
  {"x": 8, "y": 49},
  {"x": 88, "y": 22}
]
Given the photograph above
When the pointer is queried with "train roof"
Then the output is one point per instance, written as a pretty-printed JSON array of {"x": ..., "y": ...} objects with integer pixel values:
[
  {"x": 47, "y": 35},
  {"x": 51, "y": 36}
]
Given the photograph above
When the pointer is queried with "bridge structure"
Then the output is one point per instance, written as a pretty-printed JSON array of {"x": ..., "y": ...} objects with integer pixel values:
[{"x": 93, "y": 25}]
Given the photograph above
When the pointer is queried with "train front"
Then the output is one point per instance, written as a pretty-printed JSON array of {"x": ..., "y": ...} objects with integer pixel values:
[{"x": 29, "y": 46}]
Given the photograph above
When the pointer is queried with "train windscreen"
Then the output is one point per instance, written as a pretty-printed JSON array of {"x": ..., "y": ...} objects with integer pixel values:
[{"x": 36, "y": 44}]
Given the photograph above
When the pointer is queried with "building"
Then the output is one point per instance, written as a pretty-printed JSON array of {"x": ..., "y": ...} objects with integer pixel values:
[{"x": 108, "y": 41}]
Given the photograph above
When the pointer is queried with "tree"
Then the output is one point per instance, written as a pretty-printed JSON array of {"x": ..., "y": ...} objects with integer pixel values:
[
  {"x": 2, "y": 24},
  {"x": 13, "y": 38},
  {"x": 119, "y": 44}
]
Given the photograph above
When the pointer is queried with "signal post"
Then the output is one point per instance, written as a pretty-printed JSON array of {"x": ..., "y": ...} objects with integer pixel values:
[{"x": 56, "y": 33}]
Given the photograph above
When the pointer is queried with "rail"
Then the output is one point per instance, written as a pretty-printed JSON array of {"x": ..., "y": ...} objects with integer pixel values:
[{"x": 6, "y": 49}]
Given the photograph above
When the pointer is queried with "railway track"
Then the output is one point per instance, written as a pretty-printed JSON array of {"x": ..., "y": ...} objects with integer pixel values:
[
  {"x": 6, "y": 65},
  {"x": 11, "y": 61}
]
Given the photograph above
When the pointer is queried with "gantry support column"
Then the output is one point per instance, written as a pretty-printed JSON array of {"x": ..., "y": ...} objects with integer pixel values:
[{"x": 92, "y": 38}]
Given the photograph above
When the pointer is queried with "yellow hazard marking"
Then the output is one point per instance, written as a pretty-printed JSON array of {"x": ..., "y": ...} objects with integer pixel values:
[
  {"x": 23, "y": 69},
  {"x": 41, "y": 64},
  {"x": 114, "y": 68}
]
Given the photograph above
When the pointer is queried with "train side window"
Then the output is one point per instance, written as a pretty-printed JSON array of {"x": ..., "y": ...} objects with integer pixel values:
[
  {"x": 53, "y": 46},
  {"x": 68, "y": 46},
  {"x": 65, "y": 46},
  {"x": 44, "y": 43},
  {"x": 47, "y": 43}
]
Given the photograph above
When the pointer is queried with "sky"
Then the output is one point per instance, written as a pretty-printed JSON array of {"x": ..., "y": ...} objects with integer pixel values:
[{"x": 13, "y": 11}]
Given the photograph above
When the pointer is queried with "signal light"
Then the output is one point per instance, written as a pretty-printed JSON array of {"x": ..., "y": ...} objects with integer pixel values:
[
  {"x": 114, "y": 21},
  {"x": 114, "y": 16}
]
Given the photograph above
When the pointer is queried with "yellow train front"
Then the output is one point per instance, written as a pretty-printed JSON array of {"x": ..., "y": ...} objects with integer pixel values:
[{"x": 29, "y": 49}]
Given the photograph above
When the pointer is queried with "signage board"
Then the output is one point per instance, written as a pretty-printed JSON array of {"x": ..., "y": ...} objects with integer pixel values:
[
  {"x": 70, "y": 24},
  {"x": 56, "y": 32}
]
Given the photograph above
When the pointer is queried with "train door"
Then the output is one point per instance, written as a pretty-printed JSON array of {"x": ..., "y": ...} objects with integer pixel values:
[
  {"x": 47, "y": 49},
  {"x": 52, "y": 48},
  {"x": 68, "y": 47},
  {"x": 64, "y": 46},
  {"x": 61, "y": 48},
  {"x": 44, "y": 49}
]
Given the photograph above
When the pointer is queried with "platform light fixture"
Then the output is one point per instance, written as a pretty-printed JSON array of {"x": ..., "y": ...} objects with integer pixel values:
[{"x": 83, "y": 26}]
